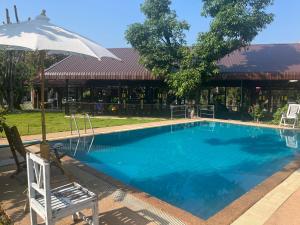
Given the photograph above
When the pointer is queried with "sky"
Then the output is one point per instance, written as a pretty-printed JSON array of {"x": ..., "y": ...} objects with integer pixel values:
[{"x": 105, "y": 21}]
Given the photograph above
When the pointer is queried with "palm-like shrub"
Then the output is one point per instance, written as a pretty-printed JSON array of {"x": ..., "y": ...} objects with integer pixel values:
[{"x": 278, "y": 114}]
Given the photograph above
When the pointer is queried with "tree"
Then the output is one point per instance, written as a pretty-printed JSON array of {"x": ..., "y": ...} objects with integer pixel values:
[
  {"x": 234, "y": 25},
  {"x": 160, "y": 39},
  {"x": 17, "y": 68}
]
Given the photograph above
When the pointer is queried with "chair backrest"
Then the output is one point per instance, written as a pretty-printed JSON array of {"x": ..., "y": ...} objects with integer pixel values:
[
  {"x": 17, "y": 141},
  {"x": 293, "y": 110},
  {"x": 38, "y": 174}
]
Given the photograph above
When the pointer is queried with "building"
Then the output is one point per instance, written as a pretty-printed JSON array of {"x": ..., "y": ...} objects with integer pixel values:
[{"x": 266, "y": 74}]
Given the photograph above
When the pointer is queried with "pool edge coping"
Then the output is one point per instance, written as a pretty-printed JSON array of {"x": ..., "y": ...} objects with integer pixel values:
[{"x": 225, "y": 216}]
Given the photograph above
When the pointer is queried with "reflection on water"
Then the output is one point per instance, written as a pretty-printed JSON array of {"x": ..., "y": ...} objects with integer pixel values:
[
  {"x": 82, "y": 144},
  {"x": 199, "y": 167},
  {"x": 290, "y": 137}
]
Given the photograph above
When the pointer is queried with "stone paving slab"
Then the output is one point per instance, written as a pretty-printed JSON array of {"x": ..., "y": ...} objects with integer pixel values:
[
  {"x": 264, "y": 209},
  {"x": 288, "y": 213}
]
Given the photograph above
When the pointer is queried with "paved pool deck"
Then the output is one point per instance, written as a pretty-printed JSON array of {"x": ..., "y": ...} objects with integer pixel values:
[
  {"x": 103, "y": 130},
  {"x": 118, "y": 205}
]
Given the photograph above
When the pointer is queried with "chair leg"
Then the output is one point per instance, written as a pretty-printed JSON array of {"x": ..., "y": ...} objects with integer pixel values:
[
  {"x": 33, "y": 217},
  {"x": 295, "y": 121},
  {"x": 26, "y": 206},
  {"x": 95, "y": 214},
  {"x": 49, "y": 221},
  {"x": 75, "y": 218}
]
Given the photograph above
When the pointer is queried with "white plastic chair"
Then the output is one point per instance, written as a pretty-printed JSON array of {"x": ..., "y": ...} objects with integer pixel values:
[
  {"x": 291, "y": 115},
  {"x": 54, "y": 204}
]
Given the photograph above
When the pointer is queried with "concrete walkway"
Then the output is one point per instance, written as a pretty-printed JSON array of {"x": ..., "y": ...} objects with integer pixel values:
[
  {"x": 276, "y": 205},
  {"x": 288, "y": 212}
]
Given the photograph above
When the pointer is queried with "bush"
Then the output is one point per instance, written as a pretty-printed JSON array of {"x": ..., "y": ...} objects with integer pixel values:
[
  {"x": 277, "y": 115},
  {"x": 256, "y": 112}
]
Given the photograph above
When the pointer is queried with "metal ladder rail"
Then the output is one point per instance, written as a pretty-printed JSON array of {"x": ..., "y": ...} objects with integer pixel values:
[
  {"x": 208, "y": 111},
  {"x": 88, "y": 118},
  {"x": 178, "y": 110},
  {"x": 73, "y": 119},
  {"x": 76, "y": 146}
]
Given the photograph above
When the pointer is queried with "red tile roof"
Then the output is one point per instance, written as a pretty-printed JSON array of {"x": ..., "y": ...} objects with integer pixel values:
[
  {"x": 262, "y": 62},
  {"x": 80, "y": 67},
  {"x": 257, "y": 62}
]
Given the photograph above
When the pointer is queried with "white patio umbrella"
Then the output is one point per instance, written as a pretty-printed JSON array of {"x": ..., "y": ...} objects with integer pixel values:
[{"x": 40, "y": 35}]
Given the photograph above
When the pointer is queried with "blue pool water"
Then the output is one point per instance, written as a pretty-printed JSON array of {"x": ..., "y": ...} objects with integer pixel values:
[{"x": 199, "y": 167}]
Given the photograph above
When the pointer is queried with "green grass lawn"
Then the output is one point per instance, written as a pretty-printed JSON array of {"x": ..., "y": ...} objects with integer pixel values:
[{"x": 30, "y": 122}]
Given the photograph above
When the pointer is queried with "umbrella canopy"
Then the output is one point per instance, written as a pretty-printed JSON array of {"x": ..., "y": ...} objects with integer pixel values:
[{"x": 41, "y": 35}]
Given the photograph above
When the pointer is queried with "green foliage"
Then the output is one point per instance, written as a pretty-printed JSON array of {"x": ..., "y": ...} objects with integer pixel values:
[
  {"x": 234, "y": 25},
  {"x": 256, "y": 112},
  {"x": 15, "y": 71},
  {"x": 17, "y": 68},
  {"x": 277, "y": 115},
  {"x": 2, "y": 119},
  {"x": 160, "y": 39}
]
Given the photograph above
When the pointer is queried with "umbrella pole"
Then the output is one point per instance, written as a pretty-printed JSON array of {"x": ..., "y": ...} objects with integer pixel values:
[{"x": 45, "y": 150}]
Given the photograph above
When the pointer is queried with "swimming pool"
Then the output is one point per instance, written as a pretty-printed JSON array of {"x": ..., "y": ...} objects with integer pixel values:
[{"x": 199, "y": 167}]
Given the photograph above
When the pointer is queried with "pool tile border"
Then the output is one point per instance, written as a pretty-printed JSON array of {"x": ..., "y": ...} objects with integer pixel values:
[{"x": 224, "y": 217}]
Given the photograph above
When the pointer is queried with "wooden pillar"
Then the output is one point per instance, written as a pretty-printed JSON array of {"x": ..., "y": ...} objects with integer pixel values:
[
  {"x": 241, "y": 101},
  {"x": 225, "y": 97},
  {"x": 59, "y": 98},
  {"x": 197, "y": 97},
  {"x": 67, "y": 109},
  {"x": 81, "y": 94},
  {"x": 270, "y": 100},
  {"x": 32, "y": 97},
  {"x": 119, "y": 94},
  {"x": 76, "y": 93},
  {"x": 208, "y": 96},
  {"x": 38, "y": 99},
  {"x": 92, "y": 96}
]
